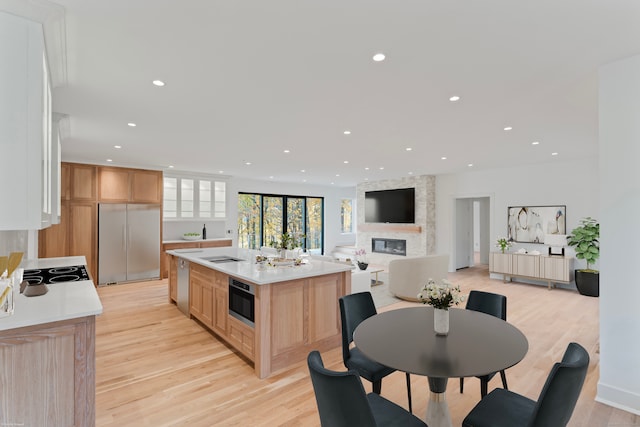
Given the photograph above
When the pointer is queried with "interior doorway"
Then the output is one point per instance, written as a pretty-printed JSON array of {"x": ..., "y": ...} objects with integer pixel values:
[{"x": 472, "y": 245}]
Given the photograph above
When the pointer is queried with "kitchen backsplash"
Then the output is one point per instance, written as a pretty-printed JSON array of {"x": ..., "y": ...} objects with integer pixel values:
[
  {"x": 173, "y": 230},
  {"x": 14, "y": 241}
]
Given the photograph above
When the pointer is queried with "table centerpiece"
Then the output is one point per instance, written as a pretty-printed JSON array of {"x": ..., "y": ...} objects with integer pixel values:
[{"x": 441, "y": 297}]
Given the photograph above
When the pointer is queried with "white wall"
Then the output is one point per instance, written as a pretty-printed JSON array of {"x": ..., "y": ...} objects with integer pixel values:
[
  {"x": 619, "y": 109},
  {"x": 332, "y": 200},
  {"x": 574, "y": 184}
]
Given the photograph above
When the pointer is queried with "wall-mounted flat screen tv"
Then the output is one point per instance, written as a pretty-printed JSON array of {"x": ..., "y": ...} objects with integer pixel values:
[{"x": 394, "y": 206}]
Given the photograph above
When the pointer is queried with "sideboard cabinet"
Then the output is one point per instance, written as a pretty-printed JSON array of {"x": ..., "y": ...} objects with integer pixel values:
[{"x": 552, "y": 269}]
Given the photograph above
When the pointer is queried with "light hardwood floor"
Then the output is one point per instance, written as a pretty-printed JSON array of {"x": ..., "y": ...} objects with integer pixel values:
[{"x": 155, "y": 367}]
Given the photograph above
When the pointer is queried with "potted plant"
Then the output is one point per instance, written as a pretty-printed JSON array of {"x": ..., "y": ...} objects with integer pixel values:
[
  {"x": 287, "y": 241},
  {"x": 585, "y": 239}
]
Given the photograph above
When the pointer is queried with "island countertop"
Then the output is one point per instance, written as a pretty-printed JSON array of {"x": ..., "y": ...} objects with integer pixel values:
[
  {"x": 63, "y": 301},
  {"x": 247, "y": 269}
]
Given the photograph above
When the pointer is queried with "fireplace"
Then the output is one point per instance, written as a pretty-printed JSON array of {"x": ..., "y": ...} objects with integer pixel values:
[{"x": 389, "y": 246}]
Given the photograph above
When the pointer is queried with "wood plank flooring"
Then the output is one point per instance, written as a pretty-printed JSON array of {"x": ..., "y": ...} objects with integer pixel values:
[{"x": 155, "y": 367}]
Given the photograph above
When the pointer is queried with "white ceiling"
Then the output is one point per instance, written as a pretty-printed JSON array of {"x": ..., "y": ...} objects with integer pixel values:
[{"x": 246, "y": 80}]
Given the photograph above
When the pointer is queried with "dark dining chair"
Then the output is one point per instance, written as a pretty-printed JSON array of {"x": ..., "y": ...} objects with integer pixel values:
[
  {"x": 554, "y": 407},
  {"x": 354, "y": 309},
  {"x": 494, "y": 305},
  {"x": 343, "y": 402}
]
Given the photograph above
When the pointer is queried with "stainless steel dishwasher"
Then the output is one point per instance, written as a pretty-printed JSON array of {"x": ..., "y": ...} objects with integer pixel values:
[{"x": 183, "y": 286}]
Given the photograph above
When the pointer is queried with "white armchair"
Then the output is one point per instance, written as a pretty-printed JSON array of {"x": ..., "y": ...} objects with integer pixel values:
[{"x": 408, "y": 275}]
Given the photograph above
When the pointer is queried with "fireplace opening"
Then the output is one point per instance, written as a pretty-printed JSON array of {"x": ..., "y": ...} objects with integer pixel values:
[{"x": 389, "y": 246}]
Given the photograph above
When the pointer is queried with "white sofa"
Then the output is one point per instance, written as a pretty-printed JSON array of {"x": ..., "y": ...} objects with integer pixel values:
[{"x": 408, "y": 275}]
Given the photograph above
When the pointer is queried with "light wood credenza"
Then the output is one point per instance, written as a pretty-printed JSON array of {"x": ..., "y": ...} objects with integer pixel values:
[{"x": 552, "y": 269}]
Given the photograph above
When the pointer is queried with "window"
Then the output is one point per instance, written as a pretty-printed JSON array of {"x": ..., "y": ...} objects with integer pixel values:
[
  {"x": 346, "y": 216},
  {"x": 263, "y": 218},
  {"x": 194, "y": 197}
]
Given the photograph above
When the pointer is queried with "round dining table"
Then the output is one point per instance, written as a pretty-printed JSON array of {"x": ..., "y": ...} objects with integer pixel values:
[{"x": 477, "y": 344}]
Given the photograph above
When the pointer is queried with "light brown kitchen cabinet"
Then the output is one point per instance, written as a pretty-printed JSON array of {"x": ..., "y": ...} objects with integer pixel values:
[
  {"x": 129, "y": 185},
  {"x": 54, "y": 241},
  {"x": 83, "y": 226},
  {"x": 173, "y": 279},
  {"x": 164, "y": 259},
  {"x": 242, "y": 337},
  {"x": 220, "y": 302},
  {"x": 83, "y": 182}
]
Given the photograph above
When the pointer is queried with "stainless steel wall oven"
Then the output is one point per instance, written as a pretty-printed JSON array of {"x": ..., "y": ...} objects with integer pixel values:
[{"x": 242, "y": 301}]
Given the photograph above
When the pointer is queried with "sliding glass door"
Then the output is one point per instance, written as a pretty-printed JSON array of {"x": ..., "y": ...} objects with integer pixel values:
[{"x": 263, "y": 218}]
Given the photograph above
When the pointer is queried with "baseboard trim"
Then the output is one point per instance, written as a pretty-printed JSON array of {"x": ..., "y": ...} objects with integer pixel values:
[{"x": 618, "y": 398}]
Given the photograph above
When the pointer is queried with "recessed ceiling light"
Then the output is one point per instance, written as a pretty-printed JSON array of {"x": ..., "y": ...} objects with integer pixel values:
[
  {"x": 410, "y": 173},
  {"x": 535, "y": 143},
  {"x": 470, "y": 165},
  {"x": 347, "y": 132},
  {"x": 346, "y": 162},
  {"x": 337, "y": 174},
  {"x": 109, "y": 160},
  {"x": 378, "y": 57},
  {"x": 247, "y": 163},
  {"x": 554, "y": 154},
  {"x": 443, "y": 158},
  {"x": 408, "y": 149},
  {"x": 271, "y": 177},
  {"x": 287, "y": 151},
  {"x": 170, "y": 166},
  {"x": 117, "y": 146},
  {"x": 366, "y": 169},
  {"x": 302, "y": 170},
  {"x": 220, "y": 171},
  {"x": 158, "y": 82},
  {"x": 454, "y": 98},
  {"x": 366, "y": 179},
  {"x": 132, "y": 125},
  {"x": 508, "y": 128},
  {"x": 381, "y": 167}
]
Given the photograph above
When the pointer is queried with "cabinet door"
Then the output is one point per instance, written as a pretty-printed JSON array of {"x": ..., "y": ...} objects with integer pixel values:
[
  {"x": 215, "y": 243},
  {"x": 113, "y": 184},
  {"x": 82, "y": 233},
  {"x": 201, "y": 296},
  {"x": 221, "y": 301},
  {"x": 526, "y": 265},
  {"x": 173, "y": 278},
  {"x": 65, "y": 174},
  {"x": 195, "y": 298},
  {"x": 556, "y": 268},
  {"x": 146, "y": 186},
  {"x": 500, "y": 263},
  {"x": 83, "y": 182},
  {"x": 207, "y": 304},
  {"x": 54, "y": 241}
]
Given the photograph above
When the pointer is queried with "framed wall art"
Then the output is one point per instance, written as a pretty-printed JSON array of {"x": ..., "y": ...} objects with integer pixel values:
[{"x": 529, "y": 224}]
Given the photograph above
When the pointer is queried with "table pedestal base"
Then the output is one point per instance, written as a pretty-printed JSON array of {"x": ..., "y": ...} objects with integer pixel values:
[{"x": 437, "y": 410}]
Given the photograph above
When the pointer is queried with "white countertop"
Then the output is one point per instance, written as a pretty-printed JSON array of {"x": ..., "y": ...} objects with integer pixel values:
[
  {"x": 64, "y": 301},
  {"x": 198, "y": 240},
  {"x": 252, "y": 272}
]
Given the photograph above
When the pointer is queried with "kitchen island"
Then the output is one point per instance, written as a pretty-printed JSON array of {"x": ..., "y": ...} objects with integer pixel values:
[
  {"x": 291, "y": 310},
  {"x": 47, "y": 353}
]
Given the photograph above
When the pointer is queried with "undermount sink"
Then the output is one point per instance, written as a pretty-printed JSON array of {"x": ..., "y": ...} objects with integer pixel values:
[{"x": 221, "y": 258}]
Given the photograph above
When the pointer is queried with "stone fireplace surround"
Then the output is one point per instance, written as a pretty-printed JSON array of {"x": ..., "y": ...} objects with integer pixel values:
[{"x": 420, "y": 237}]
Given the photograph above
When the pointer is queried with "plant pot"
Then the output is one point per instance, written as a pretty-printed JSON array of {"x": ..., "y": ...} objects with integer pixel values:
[
  {"x": 588, "y": 283},
  {"x": 363, "y": 265}
]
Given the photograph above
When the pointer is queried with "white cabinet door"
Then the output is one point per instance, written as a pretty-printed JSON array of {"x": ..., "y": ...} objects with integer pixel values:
[{"x": 25, "y": 126}]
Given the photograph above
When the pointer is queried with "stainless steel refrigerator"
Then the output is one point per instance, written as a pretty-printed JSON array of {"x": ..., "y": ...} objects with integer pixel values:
[{"x": 128, "y": 242}]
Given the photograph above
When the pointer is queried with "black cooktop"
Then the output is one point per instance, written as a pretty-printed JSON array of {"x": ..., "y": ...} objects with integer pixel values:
[{"x": 56, "y": 275}]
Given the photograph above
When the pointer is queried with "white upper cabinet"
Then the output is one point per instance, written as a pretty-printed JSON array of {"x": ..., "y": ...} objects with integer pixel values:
[{"x": 27, "y": 170}]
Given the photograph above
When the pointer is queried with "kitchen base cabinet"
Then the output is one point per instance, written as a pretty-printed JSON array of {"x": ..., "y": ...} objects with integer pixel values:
[
  {"x": 173, "y": 279},
  {"x": 164, "y": 259},
  {"x": 48, "y": 375},
  {"x": 552, "y": 269},
  {"x": 241, "y": 337}
]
